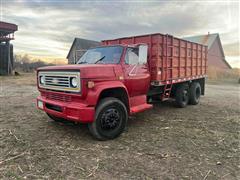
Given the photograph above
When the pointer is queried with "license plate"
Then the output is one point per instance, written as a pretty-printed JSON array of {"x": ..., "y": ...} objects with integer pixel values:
[{"x": 40, "y": 104}]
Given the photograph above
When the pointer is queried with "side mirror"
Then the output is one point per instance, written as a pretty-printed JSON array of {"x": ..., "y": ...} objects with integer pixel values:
[{"x": 143, "y": 50}]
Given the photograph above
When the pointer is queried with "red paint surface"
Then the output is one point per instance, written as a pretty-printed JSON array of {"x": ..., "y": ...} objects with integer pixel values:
[
  {"x": 174, "y": 57},
  {"x": 177, "y": 60},
  {"x": 74, "y": 111}
]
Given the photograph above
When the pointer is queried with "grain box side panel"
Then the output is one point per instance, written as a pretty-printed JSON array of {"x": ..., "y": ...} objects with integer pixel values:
[{"x": 170, "y": 58}]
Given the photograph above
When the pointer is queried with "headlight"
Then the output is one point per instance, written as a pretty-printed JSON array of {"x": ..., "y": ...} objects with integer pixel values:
[
  {"x": 73, "y": 82},
  {"x": 42, "y": 80}
]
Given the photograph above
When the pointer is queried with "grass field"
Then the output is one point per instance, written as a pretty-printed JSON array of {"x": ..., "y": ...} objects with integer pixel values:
[{"x": 197, "y": 142}]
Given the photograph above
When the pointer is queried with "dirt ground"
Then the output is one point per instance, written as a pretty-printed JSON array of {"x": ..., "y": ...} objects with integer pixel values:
[{"x": 198, "y": 142}]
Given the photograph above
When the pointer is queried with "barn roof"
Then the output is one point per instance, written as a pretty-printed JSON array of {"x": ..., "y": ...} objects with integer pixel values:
[
  {"x": 7, "y": 31},
  {"x": 208, "y": 40},
  {"x": 82, "y": 44},
  {"x": 7, "y": 28}
]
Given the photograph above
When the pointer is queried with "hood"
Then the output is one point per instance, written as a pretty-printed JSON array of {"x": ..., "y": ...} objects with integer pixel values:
[{"x": 86, "y": 70}]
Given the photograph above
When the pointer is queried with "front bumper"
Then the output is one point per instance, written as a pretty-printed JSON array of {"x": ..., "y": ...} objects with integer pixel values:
[{"x": 73, "y": 111}]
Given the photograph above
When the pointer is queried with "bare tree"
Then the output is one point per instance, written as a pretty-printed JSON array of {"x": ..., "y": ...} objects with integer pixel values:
[{"x": 25, "y": 64}]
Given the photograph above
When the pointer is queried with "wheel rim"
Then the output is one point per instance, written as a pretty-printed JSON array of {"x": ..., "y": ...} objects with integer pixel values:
[
  {"x": 185, "y": 95},
  {"x": 110, "y": 119}
]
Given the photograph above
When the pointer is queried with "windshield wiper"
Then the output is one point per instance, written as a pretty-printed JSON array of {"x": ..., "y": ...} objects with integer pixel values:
[
  {"x": 99, "y": 60},
  {"x": 82, "y": 62}
]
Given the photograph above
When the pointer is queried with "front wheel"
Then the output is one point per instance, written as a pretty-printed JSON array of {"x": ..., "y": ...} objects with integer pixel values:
[{"x": 110, "y": 119}]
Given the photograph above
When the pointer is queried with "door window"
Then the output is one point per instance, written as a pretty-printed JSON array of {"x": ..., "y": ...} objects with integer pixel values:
[
  {"x": 131, "y": 56},
  {"x": 136, "y": 55},
  {"x": 143, "y": 50}
]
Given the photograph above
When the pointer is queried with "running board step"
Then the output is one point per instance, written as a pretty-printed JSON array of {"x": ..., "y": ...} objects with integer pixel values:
[{"x": 140, "y": 108}]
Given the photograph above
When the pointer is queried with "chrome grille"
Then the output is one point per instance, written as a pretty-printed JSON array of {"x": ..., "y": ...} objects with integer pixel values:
[
  {"x": 57, "y": 97},
  {"x": 59, "y": 80}
]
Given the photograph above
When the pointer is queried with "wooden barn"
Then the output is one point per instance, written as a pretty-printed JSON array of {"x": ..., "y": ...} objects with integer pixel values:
[
  {"x": 6, "y": 49},
  {"x": 216, "y": 57},
  {"x": 78, "y": 48}
]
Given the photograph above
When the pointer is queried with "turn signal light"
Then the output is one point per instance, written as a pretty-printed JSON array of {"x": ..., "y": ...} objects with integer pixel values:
[{"x": 90, "y": 84}]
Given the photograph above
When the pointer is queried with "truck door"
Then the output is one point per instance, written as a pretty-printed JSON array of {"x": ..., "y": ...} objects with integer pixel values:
[{"x": 137, "y": 76}]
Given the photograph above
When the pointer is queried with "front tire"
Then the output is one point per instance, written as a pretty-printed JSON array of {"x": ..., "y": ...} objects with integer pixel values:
[
  {"x": 194, "y": 93},
  {"x": 110, "y": 119},
  {"x": 182, "y": 97}
]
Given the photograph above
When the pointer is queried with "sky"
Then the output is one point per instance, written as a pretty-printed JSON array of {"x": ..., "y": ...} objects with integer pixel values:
[{"x": 47, "y": 28}]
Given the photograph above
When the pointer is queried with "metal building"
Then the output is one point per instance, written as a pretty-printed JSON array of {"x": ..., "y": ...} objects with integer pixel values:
[
  {"x": 216, "y": 57},
  {"x": 78, "y": 48},
  {"x": 6, "y": 49}
]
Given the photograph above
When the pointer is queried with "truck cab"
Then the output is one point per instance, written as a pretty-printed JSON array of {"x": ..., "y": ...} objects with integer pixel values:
[
  {"x": 107, "y": 84},
  {"x": 121, "y": 78}
]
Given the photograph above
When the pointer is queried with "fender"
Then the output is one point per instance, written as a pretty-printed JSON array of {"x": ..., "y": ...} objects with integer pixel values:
[{"x": 93, "y": 94}]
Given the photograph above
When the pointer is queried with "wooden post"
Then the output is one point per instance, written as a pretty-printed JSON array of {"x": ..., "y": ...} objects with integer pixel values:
[
  {"x": 197, "y": 61},
  {"x": 186, "y": 57},
  {"x": 9, "y": 64},
  {"x": 201, "y": 59},
  {"x": 179, "y": 59},
  {"x": 162, "y": 70},
  {"x": 191, "y": 59}
]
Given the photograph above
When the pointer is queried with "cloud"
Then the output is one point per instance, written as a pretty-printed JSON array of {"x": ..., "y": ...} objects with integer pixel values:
[
  {"x": 232, "y": 49},
  {"x": 234, "y": 61},
  {"x": 47, "y": 28}
]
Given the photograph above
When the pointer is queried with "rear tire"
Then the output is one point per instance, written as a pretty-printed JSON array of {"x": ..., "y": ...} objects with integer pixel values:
[
  {"x": 194, "y": 93},
  {"x": 182, "y": 97},
  {"x": 57, "y": 119},
  {"x": 110, "y": 119}
]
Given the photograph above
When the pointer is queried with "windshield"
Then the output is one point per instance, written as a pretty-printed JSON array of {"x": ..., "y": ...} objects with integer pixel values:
[{"x": 102, "y": 55}]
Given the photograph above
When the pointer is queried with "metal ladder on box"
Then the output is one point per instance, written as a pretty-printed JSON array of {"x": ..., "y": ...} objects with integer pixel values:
[
  {"x": 167, "y": 91},
  {"x": 168, "y": 85}
]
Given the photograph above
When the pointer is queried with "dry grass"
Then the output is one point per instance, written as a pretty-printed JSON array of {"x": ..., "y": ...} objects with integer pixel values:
[
  {"x": 22, "y": 79},
  {"x": 217, "y": 74},
  {"x": 197, "y": 142}
]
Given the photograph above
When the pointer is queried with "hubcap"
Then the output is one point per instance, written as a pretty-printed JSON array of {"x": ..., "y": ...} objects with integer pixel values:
[
  {"x": 110, "y": 119},
  {"x": 185, "y": 95}
]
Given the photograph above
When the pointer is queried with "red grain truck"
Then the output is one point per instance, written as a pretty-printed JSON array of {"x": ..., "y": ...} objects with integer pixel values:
[{"x": 122, "y": 77}]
